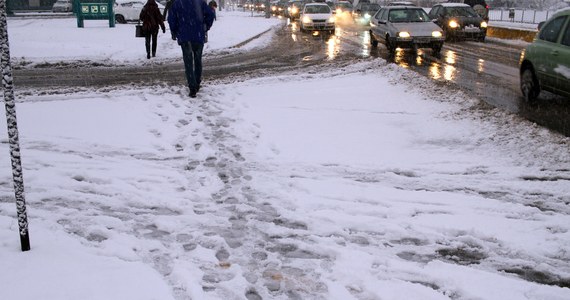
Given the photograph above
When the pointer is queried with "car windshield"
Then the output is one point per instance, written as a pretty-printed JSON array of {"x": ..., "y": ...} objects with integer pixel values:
[
  {"x": 370, "y": 7},
  {"x": 461, "y": 12},
  {"x": 406, "y": 15},
  {"x": 317, "y": 9},
  {"x": 344, "y": 5}
]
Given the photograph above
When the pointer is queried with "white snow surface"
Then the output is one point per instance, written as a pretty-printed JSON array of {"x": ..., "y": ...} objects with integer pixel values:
[{"x": 366, "y": 182}]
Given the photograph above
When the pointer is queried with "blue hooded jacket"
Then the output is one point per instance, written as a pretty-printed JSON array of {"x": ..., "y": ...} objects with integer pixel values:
[{"x": 189, "y": 20}]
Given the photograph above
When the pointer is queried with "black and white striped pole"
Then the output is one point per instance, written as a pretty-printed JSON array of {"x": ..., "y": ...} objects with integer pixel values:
[{"x": 13, "y": 129}]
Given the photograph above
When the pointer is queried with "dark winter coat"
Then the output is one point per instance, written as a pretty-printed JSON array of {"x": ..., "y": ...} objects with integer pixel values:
[
  {"x": 151, "y": 18},
  {"x": 187, "y": 19}
]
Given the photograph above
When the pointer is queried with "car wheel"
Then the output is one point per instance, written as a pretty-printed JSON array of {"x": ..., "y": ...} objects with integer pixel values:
[
  {"x": 391, "y": 48},
  {"x": 120, "y": 19},
  {"x": 415, "y": 48},
  {"x": 447, "y": 34},
  {"x": 529, "y": 85},
  {"x": 436, "y": 48},
  {"x": 373, "y": 41}
]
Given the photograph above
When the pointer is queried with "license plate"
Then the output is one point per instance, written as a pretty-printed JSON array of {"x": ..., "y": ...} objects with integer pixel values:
[
  {"x": 421, "y": 40},
  {"x": 471, "y": 28}
]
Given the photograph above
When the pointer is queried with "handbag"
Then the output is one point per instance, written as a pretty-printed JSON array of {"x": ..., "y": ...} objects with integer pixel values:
[{"x": 139, "y": 32}]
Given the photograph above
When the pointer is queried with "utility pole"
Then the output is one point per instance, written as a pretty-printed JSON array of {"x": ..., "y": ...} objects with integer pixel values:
[{"x": 13, "y": 139}]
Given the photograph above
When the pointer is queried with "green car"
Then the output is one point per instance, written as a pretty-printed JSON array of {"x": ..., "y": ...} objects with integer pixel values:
[{"x": 545, "y": 64}]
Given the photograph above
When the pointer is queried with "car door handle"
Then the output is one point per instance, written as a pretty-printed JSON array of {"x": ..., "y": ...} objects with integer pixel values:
[{"x": 554, "y": 52}]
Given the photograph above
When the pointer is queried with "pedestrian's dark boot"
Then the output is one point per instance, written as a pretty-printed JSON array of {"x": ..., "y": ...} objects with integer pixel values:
[
  {"x": 154, "y": 54},
  {"x": 193, "y": 93},
  {"x": 148, "y": 55}
]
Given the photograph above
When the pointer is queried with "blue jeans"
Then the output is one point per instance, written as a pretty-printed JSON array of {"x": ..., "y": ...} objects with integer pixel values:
[{"x": 192, "y": 56}]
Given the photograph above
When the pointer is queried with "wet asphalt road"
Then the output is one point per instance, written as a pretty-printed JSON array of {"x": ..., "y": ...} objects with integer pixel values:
[{"x": 488, "y": 71}]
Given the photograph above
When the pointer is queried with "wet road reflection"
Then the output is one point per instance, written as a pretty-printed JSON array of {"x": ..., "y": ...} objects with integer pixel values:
[
  {"x": 333, "y": 46},
  {"x": 487, "y": 70}
]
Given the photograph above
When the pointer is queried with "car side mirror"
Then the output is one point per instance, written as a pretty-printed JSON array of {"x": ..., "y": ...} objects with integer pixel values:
[
  {"x": 540, "y": 24},
  {"x": 358, "y": 11}
]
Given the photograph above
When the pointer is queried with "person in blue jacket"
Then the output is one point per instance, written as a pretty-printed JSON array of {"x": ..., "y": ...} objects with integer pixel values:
[{"x": 189, "y": 20}]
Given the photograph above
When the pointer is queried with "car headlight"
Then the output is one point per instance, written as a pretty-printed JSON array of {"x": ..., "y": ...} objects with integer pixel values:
[
  {"x": 437, "y": 34},
  {"x": 307, "y": 19},
  {"x": 483, "y": 24},
  {"x": 453, "y": 24},
  {"x": 294, "y": 10},
  {"x": 331, "y": 19},
  {"x": 367, "y": 16},
  {"x": 339, "y": 11},
  {"x": 403, "y": 34}
]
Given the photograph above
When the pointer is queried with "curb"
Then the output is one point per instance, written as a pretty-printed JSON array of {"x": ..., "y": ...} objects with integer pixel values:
[{"x": 526, "y": 35}]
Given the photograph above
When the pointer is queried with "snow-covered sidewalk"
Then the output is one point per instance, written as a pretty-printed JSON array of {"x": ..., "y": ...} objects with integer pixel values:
[
  {"x": 34, "y": 41},
  {"x": 364, "y": 182}
]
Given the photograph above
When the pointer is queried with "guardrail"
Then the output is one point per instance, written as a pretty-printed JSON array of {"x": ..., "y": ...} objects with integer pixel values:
[
  {"x": 520, "y": 15},
  {"x": 511, "y": 33}
]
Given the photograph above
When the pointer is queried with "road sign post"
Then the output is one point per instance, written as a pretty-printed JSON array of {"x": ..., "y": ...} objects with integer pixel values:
[{"x": 13, "y": 138}]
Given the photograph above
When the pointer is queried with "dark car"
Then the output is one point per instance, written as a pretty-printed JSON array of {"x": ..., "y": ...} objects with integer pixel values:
[
  {"x": 545, "y": 64},
  {"x": 480, "y": 6},
  {"x": 459, "y": 20},
  {"x": 343, "y": 9},
  {"x": 294, "y": 9},
  {"x": 362, "y": 12},
  {"x": 279, "y": 7}
]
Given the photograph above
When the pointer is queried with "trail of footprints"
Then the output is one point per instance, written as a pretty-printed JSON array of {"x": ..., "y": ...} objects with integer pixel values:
[{"x": 269, "y": 267}]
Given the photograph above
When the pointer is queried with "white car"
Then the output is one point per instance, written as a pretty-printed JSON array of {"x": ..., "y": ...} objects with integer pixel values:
[
  {"x": 62, "y": 6},
  {"x": 405, "y": 27},
  {"x": 130, "y": 10},
  {"x": 317, "y": 16}
]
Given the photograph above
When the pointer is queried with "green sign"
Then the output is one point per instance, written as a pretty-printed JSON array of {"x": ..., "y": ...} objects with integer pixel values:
[{"x": 95, "y": 10}]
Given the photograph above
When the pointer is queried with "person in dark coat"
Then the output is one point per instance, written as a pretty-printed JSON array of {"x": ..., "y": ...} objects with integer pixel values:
[
  {"x": 186, "y": 19},
  {"x": 213, "y": 5},
  {"x": 151, "y": 21},
  {"x": 167, "y": 7}
]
